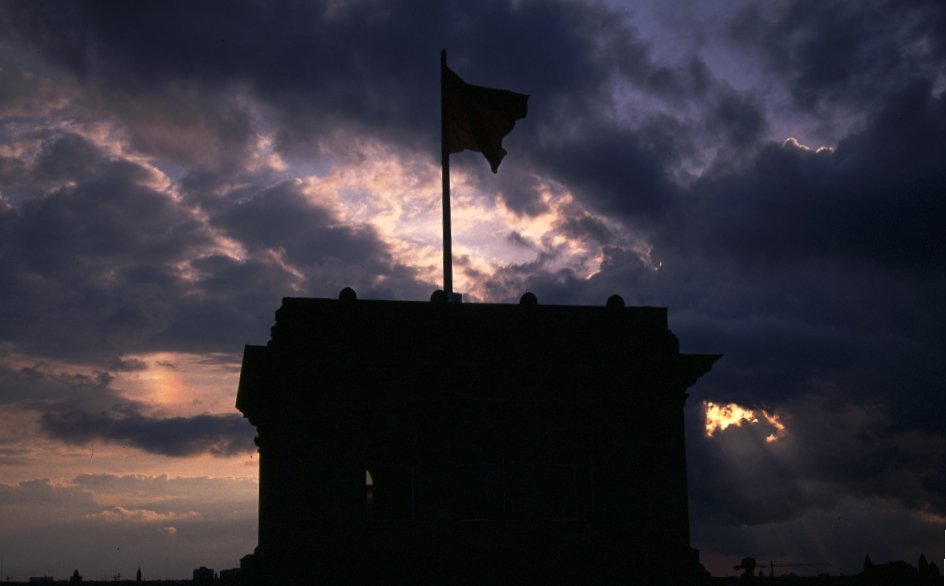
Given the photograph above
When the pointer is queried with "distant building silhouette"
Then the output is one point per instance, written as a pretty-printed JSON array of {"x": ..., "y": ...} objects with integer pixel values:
[
  {"x": 901, "y": 573},
  {"x": 231, "y": 577},
  {"x": 412, "y": 442},
  {"x": 203, "y": 576}
]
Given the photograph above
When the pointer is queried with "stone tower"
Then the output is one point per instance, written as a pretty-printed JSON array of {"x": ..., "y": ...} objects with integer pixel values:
[{"x": 415, "y": 442}]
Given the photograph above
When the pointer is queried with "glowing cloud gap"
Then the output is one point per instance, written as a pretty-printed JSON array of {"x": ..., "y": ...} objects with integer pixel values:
[
  {"x": 774, "y": 422},
  {"x": 793, "y": 143},
  {"x": 719, "y": 417}
]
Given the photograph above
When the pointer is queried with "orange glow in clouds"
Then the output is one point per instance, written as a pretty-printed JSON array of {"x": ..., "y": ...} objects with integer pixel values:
[
  {"x": 178, "y": 384},
  {"x": 719, "y": 417},
  {"x": 775, "y": 423}
]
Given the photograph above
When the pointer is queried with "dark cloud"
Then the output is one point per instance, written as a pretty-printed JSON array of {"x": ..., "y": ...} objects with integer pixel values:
[
  {"x": 185, "y": 84},
  {"x": 617, "y": 171},
  {"x": 79, "y": 408},
  {"x": 875, "y": 199},
  {"x": 107, "y": 248},
  {"x": 36, "y": 383},
  {"x": 554, "y": 286},
  {"x": 521, "y": 192},
  {"x": 115, "y": 218},
  {"x": 842, "y": 241},
  {"x": 220, "y": 435},
  {"x": 585, "y": 227},
  {"x": 737, "y": 119},
  {"x": 333, "y": 255},
  {"x": 140, "y": 270},
  {"x": 282, "y": 218},
  {"x": 837, "y": 52},
  {"x": 121, "y": 364},
  {"x": 68, "y": 156}
]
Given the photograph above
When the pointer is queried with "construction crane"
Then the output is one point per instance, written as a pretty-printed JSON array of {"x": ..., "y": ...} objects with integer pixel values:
[{"x": 773, "y": 565}]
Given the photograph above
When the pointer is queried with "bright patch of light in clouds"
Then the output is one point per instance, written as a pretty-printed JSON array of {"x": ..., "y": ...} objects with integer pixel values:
[
  {"x": 792, "y": 142},
  {"x": 775, "y": 423},
  {"x": 181, "y": 384},
  {"x": 719, "y": 417},
  {"x": 400, "y": 197},
  {"x": 178, "y": 384}
]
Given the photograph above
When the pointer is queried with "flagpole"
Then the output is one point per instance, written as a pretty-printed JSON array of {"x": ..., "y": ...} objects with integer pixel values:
[{"x": 445, "y": 171}]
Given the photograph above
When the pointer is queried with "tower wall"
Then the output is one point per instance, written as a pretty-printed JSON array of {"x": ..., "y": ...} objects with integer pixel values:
[{"x": 469, "y": 442}]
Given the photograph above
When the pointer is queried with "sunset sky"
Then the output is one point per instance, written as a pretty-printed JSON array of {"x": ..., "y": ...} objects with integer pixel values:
[{"x": 772, "y": 172}]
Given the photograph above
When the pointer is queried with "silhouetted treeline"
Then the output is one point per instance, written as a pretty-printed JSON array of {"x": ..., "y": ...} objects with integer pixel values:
[{"x": 109, "y": 582}]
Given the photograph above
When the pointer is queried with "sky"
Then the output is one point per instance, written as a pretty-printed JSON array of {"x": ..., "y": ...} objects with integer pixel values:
[{"x": 772, "y": 172}]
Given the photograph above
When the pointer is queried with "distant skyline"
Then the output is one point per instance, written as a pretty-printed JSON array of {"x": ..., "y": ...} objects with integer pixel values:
[{"x": 772, "y": 172}]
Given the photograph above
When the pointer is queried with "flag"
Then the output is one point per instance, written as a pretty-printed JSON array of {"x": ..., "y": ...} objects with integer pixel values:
[{"x": 477, "y": 118}]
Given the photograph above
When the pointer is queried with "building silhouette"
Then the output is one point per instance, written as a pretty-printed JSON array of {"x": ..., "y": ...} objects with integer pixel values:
[
  {"x": 435, "y": 442},
  {"x": 203, "y": 576}
]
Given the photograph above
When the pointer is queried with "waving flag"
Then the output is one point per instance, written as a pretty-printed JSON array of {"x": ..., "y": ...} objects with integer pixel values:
[
  {"x": 471, "y": 118},
  {"x": 477, "y": 118}
]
